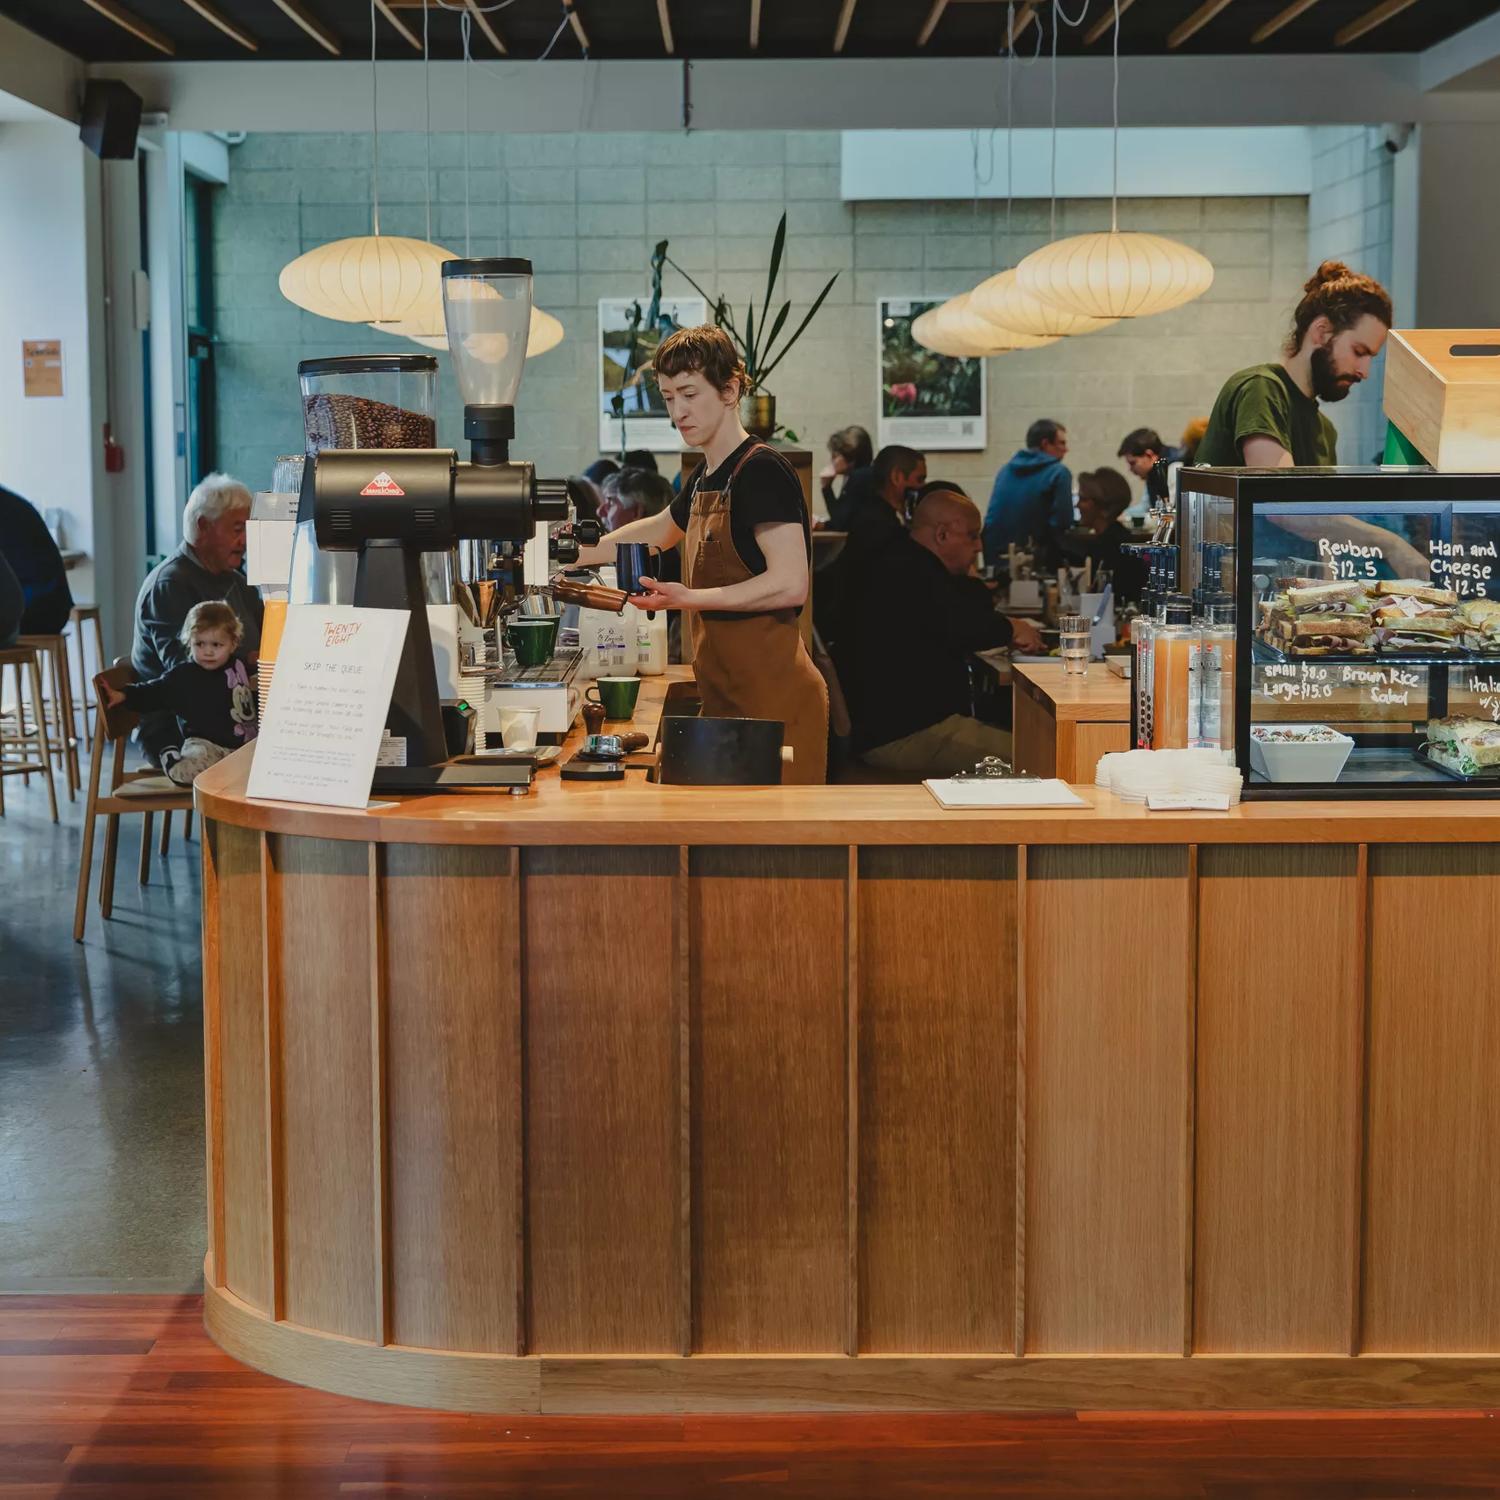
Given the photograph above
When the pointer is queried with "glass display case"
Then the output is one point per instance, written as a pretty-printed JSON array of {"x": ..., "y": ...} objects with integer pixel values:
[{"x": 1366, "y": 657}]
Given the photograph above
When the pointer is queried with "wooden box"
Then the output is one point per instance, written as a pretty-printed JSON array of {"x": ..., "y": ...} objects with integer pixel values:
[{"x": 1442, "y": 389}]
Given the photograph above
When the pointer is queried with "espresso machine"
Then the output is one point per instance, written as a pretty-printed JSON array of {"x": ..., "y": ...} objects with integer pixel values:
[{"x": 392, "y": 505}]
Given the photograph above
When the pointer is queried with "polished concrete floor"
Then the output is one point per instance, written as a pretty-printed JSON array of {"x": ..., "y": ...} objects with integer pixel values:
[{"x": 101, "y": 1063}]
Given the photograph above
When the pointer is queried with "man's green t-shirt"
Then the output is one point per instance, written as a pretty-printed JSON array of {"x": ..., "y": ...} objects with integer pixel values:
[{"x": 1264, "y": 401}]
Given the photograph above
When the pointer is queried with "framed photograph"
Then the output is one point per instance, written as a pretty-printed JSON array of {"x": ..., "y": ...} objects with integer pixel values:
[
  {"x": 631, "y": 412},
  {"x": 925, "y": 400}
]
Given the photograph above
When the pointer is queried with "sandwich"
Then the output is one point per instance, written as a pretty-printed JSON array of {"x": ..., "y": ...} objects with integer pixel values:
[
  {"x": 1316, "y": 632},
  {"x": 1481, "y": 617},
  {"x": 1387, "y": 589},
  {"x": 1421, "y": 634},
  {"x": 1467, "y": 746},
  {"x": 1329, "y": 598}
]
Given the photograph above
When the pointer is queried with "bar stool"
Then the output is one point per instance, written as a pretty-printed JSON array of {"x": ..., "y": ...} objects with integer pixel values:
[
  {"x": 24, "y": 733},
  {"x": 87, "y": 614},
  {"x": 57, "y": 705}
]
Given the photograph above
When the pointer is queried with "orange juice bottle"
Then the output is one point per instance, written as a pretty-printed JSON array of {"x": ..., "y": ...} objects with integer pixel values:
[{"x": 1171, "y": 656}]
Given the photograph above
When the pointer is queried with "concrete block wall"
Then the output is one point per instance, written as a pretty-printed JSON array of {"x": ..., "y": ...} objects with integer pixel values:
[
  {"x": 587, "y": 210},
  {"x": 1350, "y": 219}
]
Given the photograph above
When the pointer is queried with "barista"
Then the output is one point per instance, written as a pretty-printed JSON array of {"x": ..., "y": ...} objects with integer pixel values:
[{"x": 746, "y": 563}]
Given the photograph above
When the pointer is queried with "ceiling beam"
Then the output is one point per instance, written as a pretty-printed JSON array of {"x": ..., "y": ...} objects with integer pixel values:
[
  {"x": 663, "y": 16},
  {"x": 311, "y": 25},
  {"x": 930, "y": 24},
  {"x": 215, "y": 17},
  {"x": 127, "y": 20},
  {"x": 1197, "y": 21},
  {"x": 487, "y": 26},
  {"x": 577, "y": 23},
  {"x": 841, "y": 34},
  {"x": 1104, "y": 23},
  {"x": 405, "y": 31},
  {"x": 1369, "y": 21},
  {"x": 1020, "y": 20},
  {"x": 754, "y": 25},
  {"x": 1280, "y": 19}
]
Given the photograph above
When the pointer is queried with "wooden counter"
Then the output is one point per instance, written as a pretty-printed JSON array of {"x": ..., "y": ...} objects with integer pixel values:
[
  {"x": 672, "y": 1099},
  {"x": 1063, "y": 724}
]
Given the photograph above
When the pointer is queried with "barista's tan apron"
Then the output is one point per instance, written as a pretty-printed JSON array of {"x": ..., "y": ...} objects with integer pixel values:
[{"x": 751, "y": 665}]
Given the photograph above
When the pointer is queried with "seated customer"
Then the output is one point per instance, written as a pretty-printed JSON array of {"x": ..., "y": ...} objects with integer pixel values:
[
  {"x": 921, "y": 619},
  {"x": 1103, "y": 497},
  {"x": 1031, "y": 504},
  {"x": 850, "y": 455},
  {"x": 37, "y": 564},
  {"x": 631, "y": 494},
  {"x": 205, "y": 566},
  {"x": 12, "y": 604}
]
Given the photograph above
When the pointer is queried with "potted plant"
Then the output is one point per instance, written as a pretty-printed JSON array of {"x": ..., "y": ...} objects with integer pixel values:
[{"x": 757, "y": 342}]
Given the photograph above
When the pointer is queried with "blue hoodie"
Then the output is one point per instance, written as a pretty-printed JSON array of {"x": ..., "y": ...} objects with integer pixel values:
[{"x": 1032, "y": 499}]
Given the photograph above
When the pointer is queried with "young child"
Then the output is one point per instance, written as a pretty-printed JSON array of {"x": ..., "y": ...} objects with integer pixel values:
[{"x": 213, "y": 695}]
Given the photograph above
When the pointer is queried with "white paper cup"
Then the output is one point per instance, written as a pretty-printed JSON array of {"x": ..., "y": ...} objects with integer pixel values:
[{"x": 518, "y": 728}]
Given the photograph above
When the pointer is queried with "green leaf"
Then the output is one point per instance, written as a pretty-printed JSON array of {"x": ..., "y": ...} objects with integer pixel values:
[
  {"x": 750, "y": 340},
  {"x": 765, "y": 352},
  {"x": 801, "y": 327},
  {"x": 776, "y": 250}
]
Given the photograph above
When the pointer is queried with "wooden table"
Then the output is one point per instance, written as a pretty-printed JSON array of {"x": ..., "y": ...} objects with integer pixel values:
[
  {"x": 1063, "y": 724},
  {"x": 663, "y": 1099}
]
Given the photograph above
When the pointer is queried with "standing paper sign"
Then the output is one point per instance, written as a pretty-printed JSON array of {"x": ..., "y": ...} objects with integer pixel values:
[{"x": 330, "y": 695}]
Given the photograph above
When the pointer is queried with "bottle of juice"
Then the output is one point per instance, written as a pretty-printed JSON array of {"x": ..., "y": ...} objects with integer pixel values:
[{"x": 1171, "y": 665}]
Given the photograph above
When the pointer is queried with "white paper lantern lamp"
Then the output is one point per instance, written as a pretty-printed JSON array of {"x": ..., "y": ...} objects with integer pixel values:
[
  {"x": 1115, "y": 274},
  {"x": 371, "y": 278},
  {"x": 1002, "y": 300}
]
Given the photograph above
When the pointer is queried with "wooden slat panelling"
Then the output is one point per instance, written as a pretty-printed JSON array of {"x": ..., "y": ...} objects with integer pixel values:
[
  {"x": 323, "y": 963},
  {"x": 1280, "y": 1006},
  {"x": 235, "y": 853},
  {"x": 936, "y": 1099},
  {"x": 602, "y": 1100},
  {"x": 1106, "y": 1100},
  {"x": 769, "y": 1080},
  {"x": 449, "y": 953},
  {"x": 1432, "y": 1211}
]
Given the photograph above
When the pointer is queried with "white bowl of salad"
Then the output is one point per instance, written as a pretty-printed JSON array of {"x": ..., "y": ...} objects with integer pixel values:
[{"x": 1298, "y": 752}]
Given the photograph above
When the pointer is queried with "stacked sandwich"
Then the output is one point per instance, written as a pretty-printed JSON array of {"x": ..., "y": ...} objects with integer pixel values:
[
  {"x": 1414, "y": 618},
  {"x": 1469, "y": 746},
  {"x": 1481, "y": 619},
  {"x": 1319, "y": 619}
]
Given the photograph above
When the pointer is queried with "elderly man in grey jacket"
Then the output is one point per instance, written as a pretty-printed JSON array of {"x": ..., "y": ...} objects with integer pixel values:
[{"x": 205, "y": 566}]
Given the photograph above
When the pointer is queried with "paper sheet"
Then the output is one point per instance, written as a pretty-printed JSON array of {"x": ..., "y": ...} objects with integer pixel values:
[{"x": 1003, "y": 792}]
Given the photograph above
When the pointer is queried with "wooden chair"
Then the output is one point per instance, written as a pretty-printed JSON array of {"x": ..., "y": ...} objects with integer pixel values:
[
  {"x": 52, "y": 653},
  {"x": 87, "y": 614},
  {"x": 146, "y": 792},
  {"x": 16, "y": 758}
]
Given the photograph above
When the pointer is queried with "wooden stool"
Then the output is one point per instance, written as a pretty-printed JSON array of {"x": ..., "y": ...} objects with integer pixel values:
[
  {"x": 87, "y": 707},
  {"x": 24, "y": 734},
  {"x": 57, "y": 705}
]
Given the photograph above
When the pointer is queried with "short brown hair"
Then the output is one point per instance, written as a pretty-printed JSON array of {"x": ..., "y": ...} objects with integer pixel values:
[
  {"x": 1342, "y": 296},
  {"x": 1107, "y": 488},
  {"x": 706, "y": 350},
  {"x": 212, "y": 614}
]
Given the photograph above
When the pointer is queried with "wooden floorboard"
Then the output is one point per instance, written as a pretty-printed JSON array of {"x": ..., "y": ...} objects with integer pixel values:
[{"x": 125, "y": 1398}]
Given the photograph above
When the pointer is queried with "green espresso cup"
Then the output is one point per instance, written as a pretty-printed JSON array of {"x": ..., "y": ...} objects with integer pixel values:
[
  {"x": 532, "y": 638},
  {"x": 617, "y": 694}
]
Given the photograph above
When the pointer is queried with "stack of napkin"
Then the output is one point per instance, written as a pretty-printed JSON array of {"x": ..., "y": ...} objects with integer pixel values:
[{"x": 1134, "y": 775}]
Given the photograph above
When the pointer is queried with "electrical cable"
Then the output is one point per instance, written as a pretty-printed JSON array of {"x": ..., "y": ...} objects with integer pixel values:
[{"x": 374, "y": 130}]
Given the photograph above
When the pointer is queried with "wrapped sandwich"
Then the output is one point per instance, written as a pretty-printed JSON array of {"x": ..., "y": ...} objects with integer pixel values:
[
  {"x": 1481, "y": 619},
  {"x": 1468, "y": 746}
]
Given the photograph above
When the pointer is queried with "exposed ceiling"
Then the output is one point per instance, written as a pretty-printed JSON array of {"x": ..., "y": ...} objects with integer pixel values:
[{"x": 117, "y": 31}]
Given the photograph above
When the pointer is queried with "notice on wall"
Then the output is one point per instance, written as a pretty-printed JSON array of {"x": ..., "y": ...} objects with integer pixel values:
[
  {"x": 326, "y": 713},
  {"x": 41, "y": 367},
  {"x": 927, "y": 400}
]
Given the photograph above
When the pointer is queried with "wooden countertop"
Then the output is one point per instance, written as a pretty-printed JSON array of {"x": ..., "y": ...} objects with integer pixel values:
[
  {"x": 637, "y": 812},
  {"x": 1096, "y": 696}
]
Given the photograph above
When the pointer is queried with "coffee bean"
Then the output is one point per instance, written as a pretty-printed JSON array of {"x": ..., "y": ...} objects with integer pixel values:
[{"x": 339, "y": 421}]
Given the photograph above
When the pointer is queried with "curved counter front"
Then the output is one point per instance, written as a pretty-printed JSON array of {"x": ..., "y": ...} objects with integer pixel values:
[{"x": 666, "y": 1099}]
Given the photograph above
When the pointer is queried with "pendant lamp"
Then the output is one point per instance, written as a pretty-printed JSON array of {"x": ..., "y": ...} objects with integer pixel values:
[
  {"x": 369, "y": 278},
  {"x": 1001, "y": 300},
  {"x": 546, "y": 332},
  {"x": 1115, "y": 274},
  {"x": 954, "y": 330}
]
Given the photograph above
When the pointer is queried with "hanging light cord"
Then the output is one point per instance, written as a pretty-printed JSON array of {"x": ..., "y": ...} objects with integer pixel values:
[
  {"x": 374, "y": 130},
  {"x": 1010, "y": 130},
  {"x": 1114, "y": 196},
  {"x": 1052, "y": 218},
  {"x": 464, "y": 31},
  {"x": 427, "y": 87}
]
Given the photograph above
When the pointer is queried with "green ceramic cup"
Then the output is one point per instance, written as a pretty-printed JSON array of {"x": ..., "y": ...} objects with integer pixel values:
[
  {"x": 532, "y": 638},
  {"x": 617, "y": 694}
]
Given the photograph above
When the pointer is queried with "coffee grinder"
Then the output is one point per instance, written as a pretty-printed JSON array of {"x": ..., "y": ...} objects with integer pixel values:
[{"x": 390, "y": 505}]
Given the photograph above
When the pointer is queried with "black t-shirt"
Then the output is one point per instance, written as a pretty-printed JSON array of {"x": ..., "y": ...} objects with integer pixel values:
[
  {"x": 216, "y": 705},
  {"x": 766, "y": 489}
]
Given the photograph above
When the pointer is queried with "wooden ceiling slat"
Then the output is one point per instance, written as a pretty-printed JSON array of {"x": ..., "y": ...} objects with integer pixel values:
[
  {"x": 127, "y": 20},
  {"x": 1369, "y": 21},
  {"x": 311, "y": 25},
  {"x": 754, "y": 25},
  {"x": 1197, "y": 21},
  {"x": 215, "y": 17},
  {"x": 1104, "y": 23},
  {"x": 576, "y": 21},
  {"x": 664, "y": 17},
  {"x": 487, "y": 26},
  {"x": 930, "y": 24},
  {"x": 1022, "y": 18},
  {"x": 405, "y": 31},
  {"x": 846, "y": 15},
  {"x": 1280, "y": 19}
]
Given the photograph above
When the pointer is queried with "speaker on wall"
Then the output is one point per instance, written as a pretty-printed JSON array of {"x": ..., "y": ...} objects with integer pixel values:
[{"x": 111, "y": 118}]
